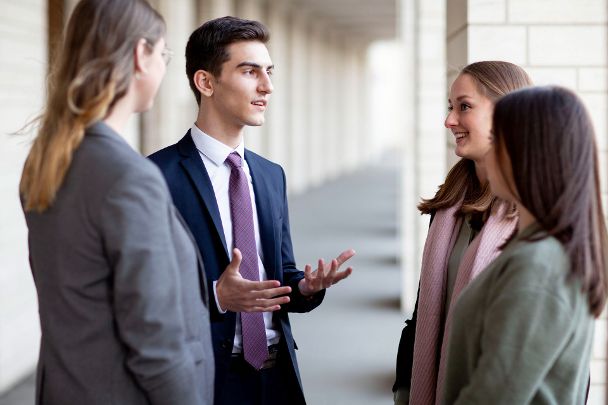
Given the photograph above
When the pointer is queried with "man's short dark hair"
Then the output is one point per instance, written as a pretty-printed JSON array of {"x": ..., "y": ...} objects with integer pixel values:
[{"x": 207, "y": 47}]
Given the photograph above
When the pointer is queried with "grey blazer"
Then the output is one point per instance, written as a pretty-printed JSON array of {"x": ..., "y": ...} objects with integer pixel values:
[{"x": 121, "y": 288}]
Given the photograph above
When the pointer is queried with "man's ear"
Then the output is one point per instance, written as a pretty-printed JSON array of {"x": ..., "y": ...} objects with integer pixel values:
[
  {"x": 141, "y": 53},
  {"x": 203, "y": 81}
]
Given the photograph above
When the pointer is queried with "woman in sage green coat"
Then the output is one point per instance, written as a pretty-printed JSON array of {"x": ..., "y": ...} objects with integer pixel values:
[{"x": 522, "y": 331}]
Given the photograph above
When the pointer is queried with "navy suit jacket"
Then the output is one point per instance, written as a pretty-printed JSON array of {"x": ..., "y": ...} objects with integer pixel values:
[{"x": 193, "y": 196}]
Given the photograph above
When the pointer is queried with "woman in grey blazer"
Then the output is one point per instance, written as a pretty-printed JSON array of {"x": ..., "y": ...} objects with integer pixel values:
[{"x": 121, "y": 289}]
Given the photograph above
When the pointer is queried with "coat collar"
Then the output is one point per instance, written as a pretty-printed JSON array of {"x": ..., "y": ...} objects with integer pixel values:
[
  {"x": 101, "y": 128},
  {"x": 195, "y": 168}
]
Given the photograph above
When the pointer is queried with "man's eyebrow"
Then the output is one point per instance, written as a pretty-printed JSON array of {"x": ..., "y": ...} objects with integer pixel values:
[{"x": 253, "y": 65}]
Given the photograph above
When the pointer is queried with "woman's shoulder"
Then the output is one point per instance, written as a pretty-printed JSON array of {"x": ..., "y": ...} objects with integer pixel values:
[
  {"x": 537, "y": 266},
  {"x": 107, "y": 159},
  {"x": 541, "y": 250}
]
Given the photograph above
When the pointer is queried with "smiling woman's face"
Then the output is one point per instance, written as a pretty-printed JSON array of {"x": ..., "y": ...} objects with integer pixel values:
[{"x": 469, "y": 118}]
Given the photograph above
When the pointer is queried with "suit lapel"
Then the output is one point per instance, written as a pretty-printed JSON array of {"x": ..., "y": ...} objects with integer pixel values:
[
  {"x": 201, "y": 263},
  {"x": 265, "y": 207},
  {"x": 194, "y": 167}
]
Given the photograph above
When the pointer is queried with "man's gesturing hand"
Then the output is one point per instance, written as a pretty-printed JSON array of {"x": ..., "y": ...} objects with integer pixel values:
[
  {"x": 325, "y": 275},
  {"x": 234, "y": 293}
]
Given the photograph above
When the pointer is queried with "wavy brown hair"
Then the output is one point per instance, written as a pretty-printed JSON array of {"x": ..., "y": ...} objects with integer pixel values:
[
  {"x": 494, "y": 79},
  {"x": 549, "y": 137},
  {"x": 91, "y": 73}
]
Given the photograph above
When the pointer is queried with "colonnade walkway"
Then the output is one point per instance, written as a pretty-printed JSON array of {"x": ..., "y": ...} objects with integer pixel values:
[{"x": 347, "y": 346}]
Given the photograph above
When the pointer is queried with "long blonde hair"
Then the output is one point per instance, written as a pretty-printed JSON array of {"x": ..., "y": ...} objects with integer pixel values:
[{"x": 91, "y": 73}]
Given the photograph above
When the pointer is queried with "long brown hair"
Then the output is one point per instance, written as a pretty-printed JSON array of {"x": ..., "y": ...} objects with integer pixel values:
[
  {"x": 92, "y": 71},
  {"x": 549, "y": 137},
  {"x": 494, "y": 79}
]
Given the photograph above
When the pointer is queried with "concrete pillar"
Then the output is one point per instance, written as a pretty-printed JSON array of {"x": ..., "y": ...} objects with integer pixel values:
[
  {"x": 356, "y": 141},
  {"x": 423, "y": 33},
  {"x": 364, "y": 135},
  {"x": 277, "y": 115},
  {"x": 409, "y": 228},
  {"x": 175, "y": 107},
  {"x": 23, "y": 68},
  {"x": 346, "y": 81},
  {"x": 431, "y": 99},
  {"x": 333, "y": 98},
  {"x": 350, "y": 87},
  {"x": 250, "y": 9},
  {"x": 210, "y": 9},
  {"x": 316, "y": 99},
  {"x": 385, "y": 105},
  {"x": 299, "y": 121}
]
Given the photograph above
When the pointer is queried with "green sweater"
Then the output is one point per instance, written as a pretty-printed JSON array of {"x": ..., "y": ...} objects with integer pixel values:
[{"x": 521, "y": 333}]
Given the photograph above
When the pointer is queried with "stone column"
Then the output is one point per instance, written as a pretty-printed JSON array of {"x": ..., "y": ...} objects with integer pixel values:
[
  {"x": 423, "y": 33},
  {"x": 333, "y": 96},
  {"x": 210, "y": 9},
  {"x": 299, "y": 119},
  {"x": 351, "y": 89},
  {"x": 277, "y": 115},
  {"x": 315, "y": 97},
  {"x": 364, "y": 134}
]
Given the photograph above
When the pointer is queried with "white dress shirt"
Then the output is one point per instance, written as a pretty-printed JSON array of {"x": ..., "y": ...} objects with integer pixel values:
[{"x": 214, "y": 154}]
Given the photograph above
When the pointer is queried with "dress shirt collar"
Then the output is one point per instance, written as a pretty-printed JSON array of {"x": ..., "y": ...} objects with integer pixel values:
[{"x": 214, "y": 150}]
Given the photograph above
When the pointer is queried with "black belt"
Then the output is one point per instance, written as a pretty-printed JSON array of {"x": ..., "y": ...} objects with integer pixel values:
[{"x": 271, "y": 361}]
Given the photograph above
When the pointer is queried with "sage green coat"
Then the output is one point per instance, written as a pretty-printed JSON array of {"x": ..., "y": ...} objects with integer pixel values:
[{"x": 522, "y": 332}]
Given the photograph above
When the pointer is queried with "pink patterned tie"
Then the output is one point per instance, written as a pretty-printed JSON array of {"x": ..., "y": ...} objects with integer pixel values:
[{"x": 255, "y": 348}]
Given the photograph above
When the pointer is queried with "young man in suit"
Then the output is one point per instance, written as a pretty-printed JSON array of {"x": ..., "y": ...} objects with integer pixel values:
[{"x": 234, "y": 201}]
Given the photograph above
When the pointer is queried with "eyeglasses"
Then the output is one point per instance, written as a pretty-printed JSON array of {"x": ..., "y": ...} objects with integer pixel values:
[{"x": 167, "y": 54}]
